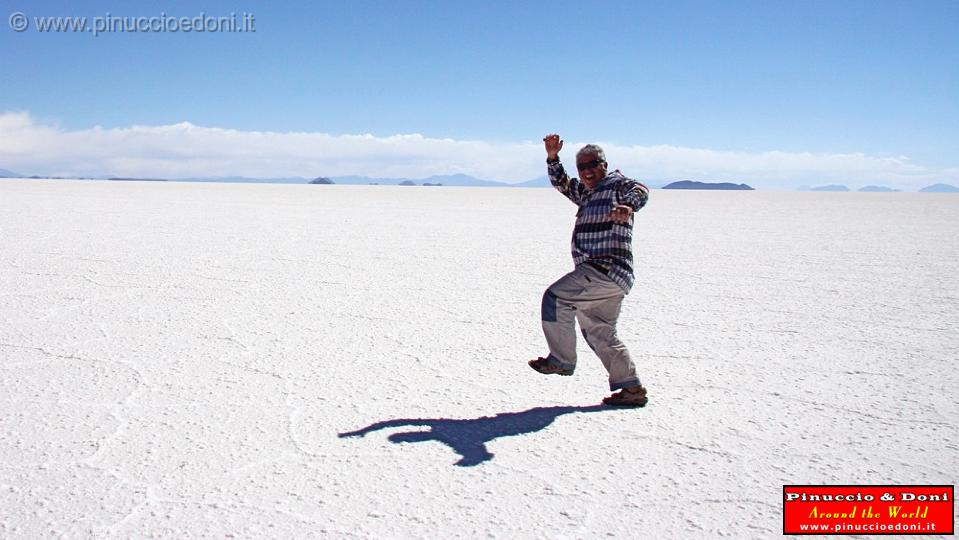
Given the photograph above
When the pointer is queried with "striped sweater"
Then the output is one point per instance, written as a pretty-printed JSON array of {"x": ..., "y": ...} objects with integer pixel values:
[{"x": 597, "y": 239}]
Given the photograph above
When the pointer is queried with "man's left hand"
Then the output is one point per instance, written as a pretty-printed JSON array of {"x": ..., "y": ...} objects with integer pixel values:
[{"x": 620, "y": 213}]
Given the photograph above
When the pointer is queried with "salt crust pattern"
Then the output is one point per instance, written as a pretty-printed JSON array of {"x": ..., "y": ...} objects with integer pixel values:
[{"x": 180, "y": 360}]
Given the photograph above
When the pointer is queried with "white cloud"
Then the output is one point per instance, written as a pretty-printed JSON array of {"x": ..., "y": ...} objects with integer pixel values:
[{"x": 185, "y": 150}]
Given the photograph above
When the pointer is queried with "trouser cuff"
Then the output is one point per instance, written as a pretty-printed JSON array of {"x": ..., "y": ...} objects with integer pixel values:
[
  {"x": 552, "y": 361},
  {"x": 629, "y": 383}
]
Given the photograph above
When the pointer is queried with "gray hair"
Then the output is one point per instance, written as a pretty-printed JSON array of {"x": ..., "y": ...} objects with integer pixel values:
[{"x": 592, "y": 149}]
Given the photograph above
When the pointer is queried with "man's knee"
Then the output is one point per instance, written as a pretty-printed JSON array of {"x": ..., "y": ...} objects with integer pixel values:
[{"x": 602, "y": 338}]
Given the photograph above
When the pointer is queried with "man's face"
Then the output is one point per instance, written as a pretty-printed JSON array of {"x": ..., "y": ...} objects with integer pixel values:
[{"x": 592, "y": 170}]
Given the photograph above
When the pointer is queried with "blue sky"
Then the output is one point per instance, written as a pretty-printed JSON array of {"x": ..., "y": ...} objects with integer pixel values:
[{"x": 876, "y": 80}]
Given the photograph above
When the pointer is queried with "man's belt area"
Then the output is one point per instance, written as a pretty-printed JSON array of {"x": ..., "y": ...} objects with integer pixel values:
[{"x": 602, "y": 266}]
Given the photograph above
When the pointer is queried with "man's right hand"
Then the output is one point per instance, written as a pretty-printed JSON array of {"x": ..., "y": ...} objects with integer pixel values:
[{"x": 553, "y": 145}]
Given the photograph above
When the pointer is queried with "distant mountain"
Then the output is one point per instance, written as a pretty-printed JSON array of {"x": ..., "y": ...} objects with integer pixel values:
[
  {"x": 459, "y": 180},
  {"x": 51, "y": 177},
  {"x": 126, "y": 179},
  {"x": 878, "y": 189},
  {"x": 689, "y": 184},
  {"x": 542, "y": 181},
  {"x": 322, "y": 180},
  {"x": 9, "y": 174},
  {"x": 832, "y": 187},
  {"x": 448, "y": 180},
  {"x": 940, "y": 188},
  {"x": 246, "y": 180}
]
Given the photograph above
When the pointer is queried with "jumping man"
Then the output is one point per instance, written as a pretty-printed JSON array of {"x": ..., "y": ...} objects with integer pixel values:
[{"x": 602, "y": 254}]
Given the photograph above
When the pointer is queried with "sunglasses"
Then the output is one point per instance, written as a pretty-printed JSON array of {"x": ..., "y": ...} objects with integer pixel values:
[{"x": 589, "y": 164}]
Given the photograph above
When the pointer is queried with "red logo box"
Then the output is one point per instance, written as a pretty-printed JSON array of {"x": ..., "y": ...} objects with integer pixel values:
[{"x": 861, "y": 510}]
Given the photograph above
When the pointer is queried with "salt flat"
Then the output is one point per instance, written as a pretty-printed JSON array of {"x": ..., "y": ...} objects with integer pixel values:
[{"x": 180, "y": 360}]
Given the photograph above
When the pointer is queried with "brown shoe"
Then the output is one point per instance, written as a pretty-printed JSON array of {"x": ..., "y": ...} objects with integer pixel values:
[
  {"x": 628, "y": 397},
  {"x": 542, "y": 365}
]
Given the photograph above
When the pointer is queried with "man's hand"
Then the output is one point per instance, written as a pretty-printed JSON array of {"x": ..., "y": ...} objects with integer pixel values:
[
  {"x": 553, "y": 145},
  {"x": 620, "y": 213}
]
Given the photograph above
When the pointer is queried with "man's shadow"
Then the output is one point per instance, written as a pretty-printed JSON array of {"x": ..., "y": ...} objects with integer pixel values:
[{"x": 468, "y": 438}]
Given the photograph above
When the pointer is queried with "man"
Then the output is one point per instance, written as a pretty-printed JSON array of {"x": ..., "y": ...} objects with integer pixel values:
[{"x": 602, "y": 253}]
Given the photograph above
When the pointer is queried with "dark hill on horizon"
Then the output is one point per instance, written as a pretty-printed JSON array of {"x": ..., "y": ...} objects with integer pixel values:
[
  {"x": 690, "y": 184},
  {"x": 878, "y": 189},
  {"x": 940, "y": 188}
]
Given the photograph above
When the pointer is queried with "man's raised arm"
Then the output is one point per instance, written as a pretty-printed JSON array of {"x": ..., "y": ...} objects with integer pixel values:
[{"x": 570, "y": 187}]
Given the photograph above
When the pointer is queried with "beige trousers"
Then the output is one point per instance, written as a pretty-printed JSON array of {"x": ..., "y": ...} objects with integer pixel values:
[{"x": 587, "y": 295}]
